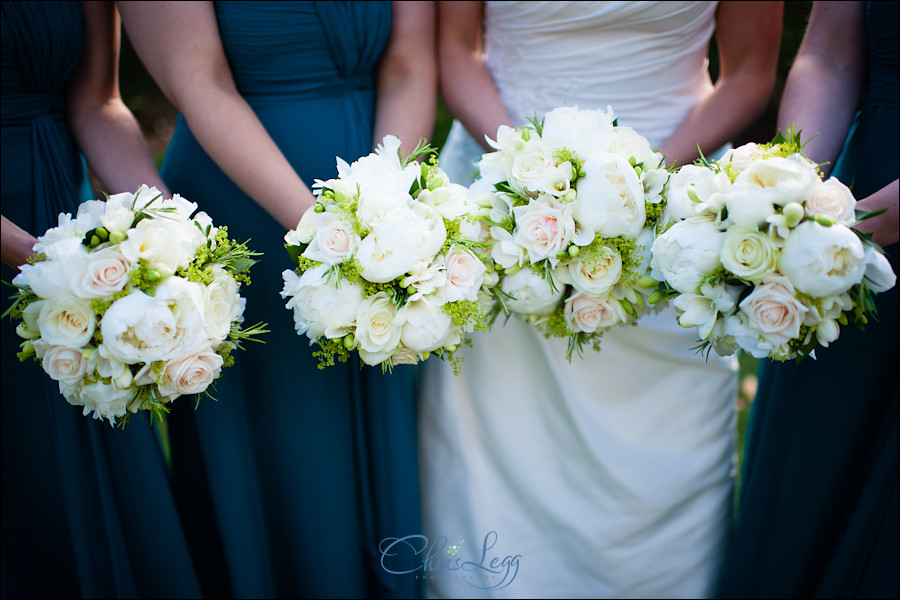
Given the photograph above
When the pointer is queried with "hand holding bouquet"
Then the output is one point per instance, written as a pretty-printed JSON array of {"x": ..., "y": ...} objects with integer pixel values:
[
  {"x": 573, "y": 203},
  {"x": 133, "y": 303},
  {"x": 388, "y": 262},
  {"x": 759, "y": 253}
]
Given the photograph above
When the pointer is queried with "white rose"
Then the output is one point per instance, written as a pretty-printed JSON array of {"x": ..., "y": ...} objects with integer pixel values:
[
  {"x": 823, "y": 261},
  {"x": 321, "y": 305},
  {"x": 591, "y": 314},
  {"x": 464, "y": 275},
  {"x": 222, "y": 305},
  {"x": 190, "y": 374},
  {"x": 407, "y": 235},
  {"x": 67, "y": 321},
  {"x": 64, "y": 364},
  {"x": 105, "y": 273},
  {"x": 832, "y": 199},
  {"x": 879, "y": 274},
  {"x": 594, "y": 275},
  {"x": 693, "y": 181},
  {"x": 543, "y": 229},
  {"x": 582, "y": 131},
  {"x": 773, "y": 309},
  {"x": 748, "y": 253},
  {"x": 426, "y": 326},
  {"x": 686, "y": 252},
  {"x": 529, "y": 293},
  {"x": 610, "y": 197},
  {"x": 378, "y": 328},
  {"x": 529, "y": 164},
  {"x": 334, "y": 240}
]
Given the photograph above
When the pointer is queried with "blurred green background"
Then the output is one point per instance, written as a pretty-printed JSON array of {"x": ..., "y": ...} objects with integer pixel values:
[{"x": 157, "y": 118}]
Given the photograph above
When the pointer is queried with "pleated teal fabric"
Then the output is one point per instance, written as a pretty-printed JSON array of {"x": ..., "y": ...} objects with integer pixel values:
[
  {"x": 294, "y": 476},
  {"x": 819, "y": 506},
  {"x": 87, "y": 509}
]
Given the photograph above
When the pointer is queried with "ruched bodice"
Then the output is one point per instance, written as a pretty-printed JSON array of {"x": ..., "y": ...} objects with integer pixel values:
[
  {"x": 310, "y": 49},
  {"x": 609, "y": 476},
  {"x": 648, "y": 60}
]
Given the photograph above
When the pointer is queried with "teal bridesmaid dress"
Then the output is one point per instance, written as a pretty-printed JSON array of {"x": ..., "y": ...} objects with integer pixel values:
[
  {"x": 293, "y": 477},
  {"x": 818, "y": 511},
  {"x": 87, "y": 509}
]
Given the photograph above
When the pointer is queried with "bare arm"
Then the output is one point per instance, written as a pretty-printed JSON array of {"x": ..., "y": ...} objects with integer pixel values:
[
  {"x": 466, "y": 83},
  {"x": 822, "y": 94},
  {"x": 104, "y": 129},
  {"x": 407, "y": 76},
  {"x": 180, "y": 45},
  {"x": 748, "y": 36},
  {"x": 16, "y": 244},
  {"x": 825, "y": 82}
]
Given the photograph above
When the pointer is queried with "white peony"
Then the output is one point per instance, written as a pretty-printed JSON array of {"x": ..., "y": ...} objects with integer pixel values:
[
  {"x": 407, "y": 235},
  {"x": 823, "y": 261},
  {"x": 582, "y": 131},
  {"x": 426, "y": 327},
  {"x": 686, "y": 252},
  {"x": 610, "y": 197},
  {"x": 322, "y": 305}
]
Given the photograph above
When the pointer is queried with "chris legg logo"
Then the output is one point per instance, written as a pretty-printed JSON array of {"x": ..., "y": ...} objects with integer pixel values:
[{"x": 492, "y": 571}]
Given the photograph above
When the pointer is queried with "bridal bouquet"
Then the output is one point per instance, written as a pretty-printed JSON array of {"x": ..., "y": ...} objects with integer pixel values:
[
  {"x": 573, "y": 204},
  {"x": 388, "y": 262},
  {"x": 759, "y": 253},
  {"x": 133, "y": 303}
]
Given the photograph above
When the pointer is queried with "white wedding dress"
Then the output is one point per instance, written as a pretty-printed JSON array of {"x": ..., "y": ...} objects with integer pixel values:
[{"x": 611, "y": 476}]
